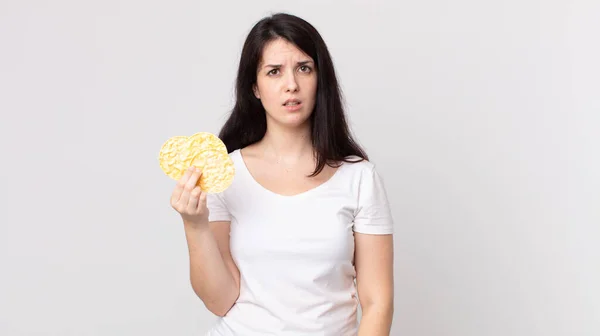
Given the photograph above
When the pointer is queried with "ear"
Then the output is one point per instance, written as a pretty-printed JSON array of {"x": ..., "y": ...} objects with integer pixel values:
[{"x": 255, "y": 90}]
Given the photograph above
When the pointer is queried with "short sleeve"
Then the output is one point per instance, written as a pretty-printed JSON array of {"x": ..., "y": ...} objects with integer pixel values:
[
  {"x": 217, "y": 208},
  {"x": 373, "y": 214}
]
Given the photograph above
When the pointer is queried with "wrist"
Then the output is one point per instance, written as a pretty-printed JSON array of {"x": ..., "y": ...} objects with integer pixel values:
[{"x": 195, "y": 225}]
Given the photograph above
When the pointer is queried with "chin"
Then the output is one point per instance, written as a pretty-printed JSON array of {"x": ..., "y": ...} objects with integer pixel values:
[{"x": 292, "y": 120}]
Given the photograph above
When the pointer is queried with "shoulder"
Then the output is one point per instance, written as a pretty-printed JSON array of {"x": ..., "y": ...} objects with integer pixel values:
[
  {"x": 357, "y": 165},
  {"x": 361, "y": 174}
]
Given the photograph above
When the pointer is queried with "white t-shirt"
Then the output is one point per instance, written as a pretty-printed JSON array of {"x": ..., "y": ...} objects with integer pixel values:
[{"x": 295, "y": 253}]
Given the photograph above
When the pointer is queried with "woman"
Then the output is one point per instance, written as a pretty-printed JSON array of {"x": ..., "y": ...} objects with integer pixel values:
[{"x": 278, "y": 252}]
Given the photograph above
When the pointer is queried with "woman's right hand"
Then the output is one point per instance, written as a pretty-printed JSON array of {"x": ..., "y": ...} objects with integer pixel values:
[{"x": 189, "y": 200}]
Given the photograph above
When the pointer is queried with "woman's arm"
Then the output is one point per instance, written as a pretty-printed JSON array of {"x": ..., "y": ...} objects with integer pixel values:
[
  {"x": 214, "y": 276},
  {"x": 375, "y": 280}
]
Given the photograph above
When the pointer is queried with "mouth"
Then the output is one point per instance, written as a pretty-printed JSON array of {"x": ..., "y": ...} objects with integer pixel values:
[{"x": 292, "y": 103}]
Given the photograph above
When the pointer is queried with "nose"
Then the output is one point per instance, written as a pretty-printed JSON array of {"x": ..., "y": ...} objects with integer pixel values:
[{"x": 291, "y": 84}]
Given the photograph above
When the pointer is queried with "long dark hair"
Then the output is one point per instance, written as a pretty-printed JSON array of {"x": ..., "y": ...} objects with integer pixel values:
[{"x": 247, "y": 122}]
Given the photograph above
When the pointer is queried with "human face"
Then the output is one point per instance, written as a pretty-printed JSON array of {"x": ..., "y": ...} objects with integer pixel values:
[{"x": 286, "y": 73}]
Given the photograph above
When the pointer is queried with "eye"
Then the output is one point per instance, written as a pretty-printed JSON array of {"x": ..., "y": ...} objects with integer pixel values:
[
  {"x": 272, "y": 72},
  {"x": 305, "y": 68}
]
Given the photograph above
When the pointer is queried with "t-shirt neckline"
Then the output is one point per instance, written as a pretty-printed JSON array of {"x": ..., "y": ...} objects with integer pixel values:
[{"x": 259, "y": 186}]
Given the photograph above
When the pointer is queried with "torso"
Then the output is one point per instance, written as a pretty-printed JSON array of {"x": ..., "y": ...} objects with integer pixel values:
[{"x": 292, "y": 238}]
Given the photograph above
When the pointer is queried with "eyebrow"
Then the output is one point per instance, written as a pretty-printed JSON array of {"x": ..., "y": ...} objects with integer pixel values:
[{"x": 279, "y": 65}]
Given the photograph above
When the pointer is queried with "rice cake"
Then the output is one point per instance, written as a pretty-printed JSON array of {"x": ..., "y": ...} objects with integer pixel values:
[
  {"x": 217, "y": 170},
  {"x": 198, "y": 143},
  {"x": 169, "y": 157},
  {"x": 203, "y": 150}
]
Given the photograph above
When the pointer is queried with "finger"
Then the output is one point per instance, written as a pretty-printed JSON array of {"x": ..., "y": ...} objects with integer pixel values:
[
  {"x": 186, "y": 176},
  {"x": 192, "y": 204},
  {"x": 190, "y": 184},
  {"x": 180, "y": 185},
  {"x": 193, "y": 180},
  {"x": 202, "y": 201}
]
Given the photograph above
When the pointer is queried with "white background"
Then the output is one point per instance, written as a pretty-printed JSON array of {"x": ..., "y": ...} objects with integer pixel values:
[{"x": 482, "y": 116}]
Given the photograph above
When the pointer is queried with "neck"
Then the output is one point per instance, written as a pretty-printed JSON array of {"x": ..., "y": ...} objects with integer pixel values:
[{"x": 287, "y": 145}]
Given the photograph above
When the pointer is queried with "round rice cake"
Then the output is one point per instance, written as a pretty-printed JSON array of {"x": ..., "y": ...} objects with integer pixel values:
[
  {"x": 208, "y": 140},
  {"x": 203, "y": 150},
  {"x": 169, "y": 157},
  {"x": 217, "y": 170},
  {"x": 200, "y": 142}
]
